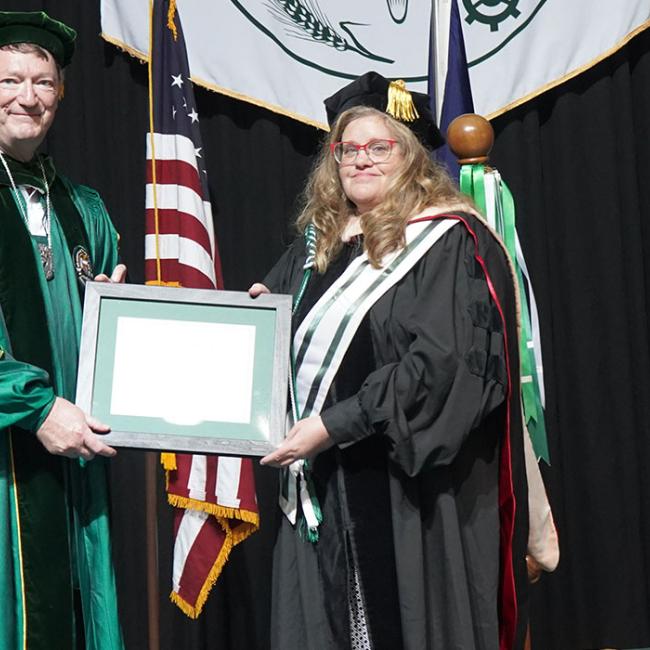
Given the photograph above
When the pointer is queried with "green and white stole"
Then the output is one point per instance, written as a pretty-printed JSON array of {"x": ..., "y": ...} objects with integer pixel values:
[{"x": 324, "y": 336}]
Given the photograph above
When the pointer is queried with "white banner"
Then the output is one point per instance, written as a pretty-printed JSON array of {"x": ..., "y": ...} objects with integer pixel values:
[
  {"x": 516, "y": 49},
  {"x": 288, "y": 55}
]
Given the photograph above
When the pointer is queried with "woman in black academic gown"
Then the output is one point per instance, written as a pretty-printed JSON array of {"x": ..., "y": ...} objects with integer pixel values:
[{"x": 406, "y": 526}]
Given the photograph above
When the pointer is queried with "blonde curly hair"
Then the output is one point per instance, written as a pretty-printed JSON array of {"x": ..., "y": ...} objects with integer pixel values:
[{"x": 418, "y": 184}]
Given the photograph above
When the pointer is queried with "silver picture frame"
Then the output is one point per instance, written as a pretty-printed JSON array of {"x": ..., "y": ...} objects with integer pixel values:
[{"x": 187, "y": 370}]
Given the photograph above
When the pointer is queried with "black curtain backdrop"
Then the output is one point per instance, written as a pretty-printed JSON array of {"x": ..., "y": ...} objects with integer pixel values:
[{"x": 578, "y": 162}]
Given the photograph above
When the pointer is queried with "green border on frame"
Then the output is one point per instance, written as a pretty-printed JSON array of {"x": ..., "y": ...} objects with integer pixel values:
[{"x": 263, "y": 319}]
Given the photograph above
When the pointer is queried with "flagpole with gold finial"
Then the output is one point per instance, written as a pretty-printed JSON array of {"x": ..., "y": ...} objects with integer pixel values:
[{"x": 151, "y": 457}]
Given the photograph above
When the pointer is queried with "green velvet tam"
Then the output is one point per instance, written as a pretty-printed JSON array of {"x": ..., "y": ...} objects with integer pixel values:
[{"x": 38, "y": 28}]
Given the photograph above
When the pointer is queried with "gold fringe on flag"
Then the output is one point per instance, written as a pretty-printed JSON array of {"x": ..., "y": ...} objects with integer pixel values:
[
  {"x": 171, "y": 12},
  {"x": 233, "y": 536},
  {"x": 214, "y": 509},
  {"x": 168, "y": 461},
  {"x": 400, "y": 102},
  {"x": 193, "y": 611},
  {"x": 162, "y": 283}
]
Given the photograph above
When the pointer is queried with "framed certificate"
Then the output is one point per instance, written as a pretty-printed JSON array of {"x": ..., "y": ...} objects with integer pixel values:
[{"x": 189, "y": 370}]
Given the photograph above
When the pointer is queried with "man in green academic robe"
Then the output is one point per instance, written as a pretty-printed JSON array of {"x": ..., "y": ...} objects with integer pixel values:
[{"x": 57, "y": 589}]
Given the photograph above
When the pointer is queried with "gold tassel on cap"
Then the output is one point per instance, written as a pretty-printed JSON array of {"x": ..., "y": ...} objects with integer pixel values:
[{"x": 400, "y": 103}]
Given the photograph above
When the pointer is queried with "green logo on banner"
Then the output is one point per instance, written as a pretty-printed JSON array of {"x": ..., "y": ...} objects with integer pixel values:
[
  {"x": 494, "y": 14},
  {"x": 505, "y": 20},
  {"x": 343, "y": 38}
]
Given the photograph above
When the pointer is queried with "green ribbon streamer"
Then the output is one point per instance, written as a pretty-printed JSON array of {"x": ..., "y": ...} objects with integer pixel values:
[
  {"x": 304, "y": 531},
  {"x": 472, "y": 183}
]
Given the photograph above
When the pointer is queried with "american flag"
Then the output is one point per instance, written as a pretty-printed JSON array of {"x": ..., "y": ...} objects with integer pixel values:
[{"x": 214, "y": 496}]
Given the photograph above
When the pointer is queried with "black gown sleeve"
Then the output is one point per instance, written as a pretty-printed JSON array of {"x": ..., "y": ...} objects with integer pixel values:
[
  {"x": 438, "y": 339},
  {"x": 287, "y": 271}
]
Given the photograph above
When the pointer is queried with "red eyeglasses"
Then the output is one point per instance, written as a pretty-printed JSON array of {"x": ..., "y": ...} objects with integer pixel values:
[{"x": 345, "y": 153}]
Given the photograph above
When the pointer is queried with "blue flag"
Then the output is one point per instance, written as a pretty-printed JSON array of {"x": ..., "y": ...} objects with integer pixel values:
[{"x": 457, "y": 96}]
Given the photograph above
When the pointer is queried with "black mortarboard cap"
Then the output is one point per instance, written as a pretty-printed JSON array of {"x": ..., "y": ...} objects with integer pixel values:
[
  {"x": 392, "y": 97},
  {"x": 38, "y": 28}
]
